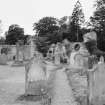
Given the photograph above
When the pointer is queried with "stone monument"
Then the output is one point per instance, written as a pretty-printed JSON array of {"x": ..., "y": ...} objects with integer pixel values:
[
  {"x": 19, "y": 61},
  {"x": 35, "y": 76}
]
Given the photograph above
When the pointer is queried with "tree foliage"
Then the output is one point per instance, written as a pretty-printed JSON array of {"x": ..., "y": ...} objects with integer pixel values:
[
  {"x": 98, "y": 19},
  {"x": 47, "y": 30},
  {"x": 77, "y": 19},
  {"x": 46, "y": 25},
  {"x": 52, "y": 30},
  {"x": 98, "y": 22},
  {"x": 63, "y": 22},
  {"x": 2, "y": 40},
  {"x": 14, "y": 34},
  {"x": 25, "y": 39}
]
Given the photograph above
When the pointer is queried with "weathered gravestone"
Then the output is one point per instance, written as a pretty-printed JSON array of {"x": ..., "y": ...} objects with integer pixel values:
[
  {"x": 60, "y": 53},
  {"x": 79, "y": 55},
  {"x": 77, "y": 72},
  {"x": 12, "y": 52},
  {"x": 27, "y": 52},
  {"x": 19, "y": 54},
  {"x": 97, "y": 84},
  {"x": 78, "y": 82},
  {"x": 35, "y": 77},
  {"x": 57, "y": 54},
  {"x": 3, "y": 59},
  {"x": 31, "y": 47}
]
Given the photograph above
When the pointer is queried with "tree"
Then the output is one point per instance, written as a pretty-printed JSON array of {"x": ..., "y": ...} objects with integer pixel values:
[
  {"x": 43, "y": 43},
  {"x": 46, "y": 29},
  {"x": 77, "y": 20},
  {"x": 63, "y": 22},
  {"x": 98, "y": 19},
  {"x": 46, "y": 25},
  {"x": 98, "y": 23},
  {"x": 25, "y": 39},
  {"x": 14, "y": 34},
  {"x": 2, "y": 40}
]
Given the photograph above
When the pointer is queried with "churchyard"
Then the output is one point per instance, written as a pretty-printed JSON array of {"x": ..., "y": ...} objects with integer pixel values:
[
  {"x": 47, "y": 59},
  {"x": 66, "y": 76},
  {"x": 12, "y": 87}
]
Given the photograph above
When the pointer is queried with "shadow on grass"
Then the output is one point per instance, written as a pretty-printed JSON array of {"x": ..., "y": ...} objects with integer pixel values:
[
  {"x": 29, "y": 98},
  {"x": 33, "y": 98}
]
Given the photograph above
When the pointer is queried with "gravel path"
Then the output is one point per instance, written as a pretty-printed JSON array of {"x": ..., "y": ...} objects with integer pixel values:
[{"x": 62, "y": 91}]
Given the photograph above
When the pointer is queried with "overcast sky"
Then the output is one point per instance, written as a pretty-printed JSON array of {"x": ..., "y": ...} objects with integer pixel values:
[{"x": 26, "y": 12}]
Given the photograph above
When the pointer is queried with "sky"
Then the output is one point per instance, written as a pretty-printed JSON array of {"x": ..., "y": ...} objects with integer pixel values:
[{"x": 27, "y": 12}]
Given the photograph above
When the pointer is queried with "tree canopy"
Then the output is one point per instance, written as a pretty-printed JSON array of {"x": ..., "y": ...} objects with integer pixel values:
[
  {"x": 14, "y": 34},
  {"x": 2, "y": 40},
  {"x": 46, "y": 25},
  {"x": 77, "y": 20},
  {"x": 98, "y": 22},
  {"x": 47, "y": 30},
  {"x": 52, "y": 30}
]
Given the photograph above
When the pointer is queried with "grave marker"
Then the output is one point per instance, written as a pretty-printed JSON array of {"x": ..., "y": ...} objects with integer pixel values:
[{"x": 97, "y": 84}]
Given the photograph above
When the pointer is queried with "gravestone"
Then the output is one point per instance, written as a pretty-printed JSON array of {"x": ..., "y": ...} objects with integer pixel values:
[
  {"x": 57, "y": 54},
  {"x": 50, "y": 53},
  {"x": 31, "y": 46},
  {"x": 77, "y": 72},
  {"x": 35, "y": 77},
  {"x": 78, "y": 81},
  {"x": 27, "y": 52},
  {"x": 19, "y": 54},
  {"x": 79, "y": 57},
  {"x": 12, "y": 52},
  {"x": 97, "y": 84},
  {"x": 60, "y": 54},
  {"x": 3, "y": 59}
]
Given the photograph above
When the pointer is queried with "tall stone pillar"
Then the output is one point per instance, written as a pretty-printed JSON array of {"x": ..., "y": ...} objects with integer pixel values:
[
  {"x": 17, "y": 52},
  {"x": 31, "y": 48}
]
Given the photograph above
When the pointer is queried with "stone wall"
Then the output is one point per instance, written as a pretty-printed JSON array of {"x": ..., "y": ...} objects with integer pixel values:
[{"x": 26, "y": 50}]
